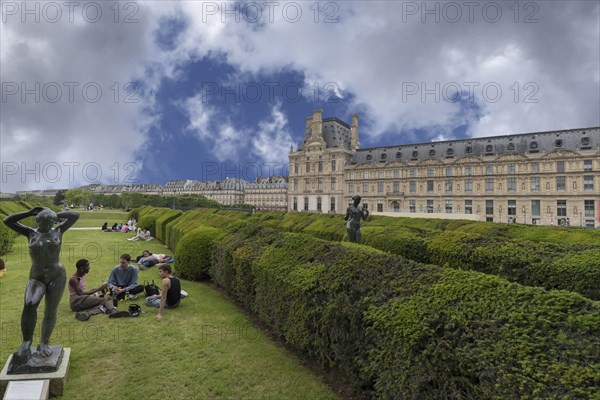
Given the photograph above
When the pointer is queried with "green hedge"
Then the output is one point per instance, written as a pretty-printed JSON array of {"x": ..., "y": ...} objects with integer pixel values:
[
  {"x": 410, "y": 330},
  {"x": 148, "y": 218},
  {"x": 400, "y": 328},
  {"x": 194, "y": 251},
  {"x": 161, "y": 224}
]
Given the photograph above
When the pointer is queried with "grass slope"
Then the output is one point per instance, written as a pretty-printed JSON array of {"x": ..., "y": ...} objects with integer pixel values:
[{"x": 205, "y": 349}]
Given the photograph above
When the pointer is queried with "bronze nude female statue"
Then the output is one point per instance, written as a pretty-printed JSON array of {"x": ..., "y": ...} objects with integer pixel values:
[
  {"x": 353, "y": 215},
  {"x": 46, "y": 277}
]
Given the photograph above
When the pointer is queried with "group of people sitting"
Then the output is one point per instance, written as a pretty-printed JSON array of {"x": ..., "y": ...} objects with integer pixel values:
[
  {"x": 142, "y": 234},
  {"x": 122, "y": 282},
  {"x": 125, "y": 227}
]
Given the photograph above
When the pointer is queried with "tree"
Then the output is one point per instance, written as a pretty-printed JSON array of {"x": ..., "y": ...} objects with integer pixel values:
[
  {"x": 78, "y": 196},
  {"x": 59, "y": 198}
]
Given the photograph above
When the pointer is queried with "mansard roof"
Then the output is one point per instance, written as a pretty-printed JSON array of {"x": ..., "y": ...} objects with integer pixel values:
[
  {"x": 525, "y": 144},
  {"x": 336, "y": 133}
]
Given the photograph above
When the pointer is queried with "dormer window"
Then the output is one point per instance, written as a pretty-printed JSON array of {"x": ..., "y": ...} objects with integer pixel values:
[
  {"x": 369, "y": 157},
  {"x": 398, "y": 155},
  {"x": 383, "y": 156},
  {"x": 585, "y": 141},
  {"x": 450, "y": 151},
  {"x": 558, "y": 143},
  {"x": 511, "y": 146},
  {"x": 489, "y": 148},
  {"x": 415, "y": 154},
  {"x": 469, "y": 149},
  {"x": 431, "y": 153}
]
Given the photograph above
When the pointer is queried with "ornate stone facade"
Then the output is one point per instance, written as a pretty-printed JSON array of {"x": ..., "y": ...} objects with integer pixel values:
[{"x": 548, "y": 178}]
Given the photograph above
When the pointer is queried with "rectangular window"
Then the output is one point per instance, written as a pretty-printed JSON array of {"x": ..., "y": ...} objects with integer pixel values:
[
  {"x": 430, "y": 186},
  {"x": 296, "y": 168},
  {"x": 412, "y": 205},
  {"x": 306, "y": 204},
  {"x": 413, "y": 172},
  {"x": 351, "y": 175},
  {"x": 489, "y": 185},
  {"x": 535, "y": 208},
  {"x": 429, "y": 206},
  {"x": 589, "y": 208},
  {"x": 307, "y": 167},
  {"x": 587, "y": 165},
  {"x": 333, "y": 165},
  {"x": 318, "y": 204},
  {"x": 468, "y": 185},
  {"x": 561, "y": 208},
  {"x": 535, "y": 168},
  {"x": 588, "y": 183},
  {"x": 396, "y": 187},
  {"x": 366, "y": 175},
  {"x": 535, "y": 183},
  {"x": 365, "y": 187},
  {"x": 379, "y": 205},
  {"x": 396, "y": 173},
  {"x": 320, "y": 166},
  {"x": 489, "y": 207},
  {"x": 332, "y": 204},
  {"x": 333, "y": 183},
  {"x": 468, "y": 170},
  {"x": 296, "y": 184},
  {"x": 511, "y": 184},
  {"x": 448, "y": 206},
  {"x": 320, "y": 184},
  {"x": 448, "y": 185},
  {"x": 413, "y": 186},
  {"x": 468, "y": 206},
  {"x": 380, "y": 174},
  {"x": 512, "y": 207},
  {"x": 350, "y": 187},
  {"x": 448, "y": 171},
  {"x": 306, "y": 184},
  {"x": 560, "y": 166},
  {"x": 295, "y": 204},
  {"x": 561, "y": 184},
  {"x": 379, "y": 187},
  {"x": 430, "y": 172},
  {"x": 511, "y": 169},
  {"x": 489, "y": 169}
]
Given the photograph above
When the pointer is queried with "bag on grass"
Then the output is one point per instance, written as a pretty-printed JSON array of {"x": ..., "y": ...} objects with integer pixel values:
[{"x": 150, "y": 289}]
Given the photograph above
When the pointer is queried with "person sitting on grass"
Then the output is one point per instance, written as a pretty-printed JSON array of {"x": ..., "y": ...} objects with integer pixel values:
[
  {"x": 85, "y": 304},
  {"x": 124, "y": 228},
  {"x": 171, "y": 291},
  {"x": 105, "y": 226},
  {"x": 142, "y": 234},
  {"x": 123, "y": 280}
]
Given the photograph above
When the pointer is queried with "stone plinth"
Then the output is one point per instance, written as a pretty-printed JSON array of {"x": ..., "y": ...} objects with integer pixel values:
[{"x": 57, "y": 379}]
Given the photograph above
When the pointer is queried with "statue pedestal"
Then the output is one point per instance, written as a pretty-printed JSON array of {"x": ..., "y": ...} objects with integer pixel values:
[{"x": 57, "y": 379}]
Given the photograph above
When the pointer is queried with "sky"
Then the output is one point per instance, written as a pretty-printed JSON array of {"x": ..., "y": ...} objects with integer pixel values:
[{"x": 137, "y": 92}]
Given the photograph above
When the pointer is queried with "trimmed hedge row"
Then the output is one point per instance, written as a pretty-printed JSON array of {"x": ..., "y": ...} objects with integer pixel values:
[
  {"x": 400, "y": 328},
  {"x": 161, "y": 224},
  {"x": 522, "y": 261}
]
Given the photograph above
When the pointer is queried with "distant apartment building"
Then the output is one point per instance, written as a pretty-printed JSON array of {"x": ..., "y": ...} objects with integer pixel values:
[{"x": 267, "y": 194}]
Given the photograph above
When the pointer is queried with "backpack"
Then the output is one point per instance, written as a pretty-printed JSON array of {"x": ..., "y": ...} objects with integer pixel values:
[{"x": 151, "y": 289}]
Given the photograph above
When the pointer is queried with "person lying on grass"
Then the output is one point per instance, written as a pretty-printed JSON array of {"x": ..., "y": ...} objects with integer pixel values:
[
  {"x": 171, "y": 291},
  {"x": 150, "y": 260},
  {"x": 83, "y": 302}
]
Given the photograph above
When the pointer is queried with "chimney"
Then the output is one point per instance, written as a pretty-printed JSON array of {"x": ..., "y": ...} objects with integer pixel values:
[
  {"x": 317, "y": 123},
  {"x": 354, "y": 143}
]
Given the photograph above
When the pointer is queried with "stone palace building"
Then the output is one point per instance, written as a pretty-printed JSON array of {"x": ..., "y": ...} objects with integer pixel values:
[{"x": 549, "y": 178}]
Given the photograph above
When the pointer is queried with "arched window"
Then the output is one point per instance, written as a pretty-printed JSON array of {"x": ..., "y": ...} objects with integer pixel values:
[
  {"x": 332, "y": 205},
  {"x": 306, "y": 204},
  {"x": 295, "y": 204},
  {"x": 318, "y": 204}
]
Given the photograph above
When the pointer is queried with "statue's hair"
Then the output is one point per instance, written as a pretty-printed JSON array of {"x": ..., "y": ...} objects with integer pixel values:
[{"x": 46, "y": 213}]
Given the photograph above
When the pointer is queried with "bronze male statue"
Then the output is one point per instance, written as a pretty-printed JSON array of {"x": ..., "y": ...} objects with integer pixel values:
[
  {"x": 46, "y": 277},
  {"x": 353, "y": 215}
]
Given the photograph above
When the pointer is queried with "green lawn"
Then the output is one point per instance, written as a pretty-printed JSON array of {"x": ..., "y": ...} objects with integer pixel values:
[{"x": 205, "y": 349}]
